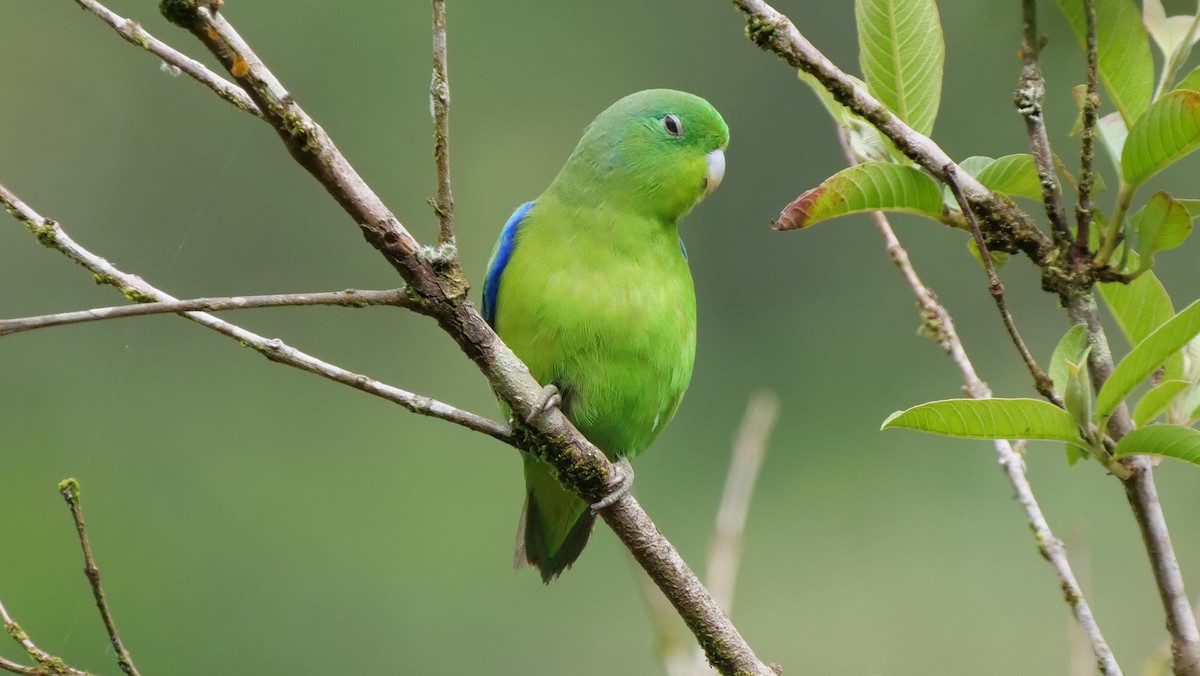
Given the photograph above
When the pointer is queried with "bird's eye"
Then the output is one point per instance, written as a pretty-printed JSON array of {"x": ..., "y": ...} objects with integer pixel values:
[{"x": 672, "y": 124}]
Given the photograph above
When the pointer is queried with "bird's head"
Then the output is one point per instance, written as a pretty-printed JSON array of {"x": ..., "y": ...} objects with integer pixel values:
[{"x": 658, "y": 152}]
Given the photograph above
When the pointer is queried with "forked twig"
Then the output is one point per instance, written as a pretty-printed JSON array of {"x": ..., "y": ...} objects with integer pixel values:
[
  {"x": 47, "y": 663},
  {"x": 69, "y": 489}
]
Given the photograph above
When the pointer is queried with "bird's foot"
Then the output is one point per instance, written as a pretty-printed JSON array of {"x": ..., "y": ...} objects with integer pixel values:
[
  {"x": 548, "y": 399},
  {"x": 623, "y": 482}
]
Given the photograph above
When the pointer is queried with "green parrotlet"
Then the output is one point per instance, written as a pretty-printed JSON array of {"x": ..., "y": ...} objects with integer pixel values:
[{"x": 589, "y": 285}]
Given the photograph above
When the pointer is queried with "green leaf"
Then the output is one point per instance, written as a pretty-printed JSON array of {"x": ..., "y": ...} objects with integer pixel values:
[
  {"x": 1192, "y": 81},
  {"x": 1014, "y": 175},
  {"x": 1192, "y": 205},
  {"x": 1124, "y": 62},
  {"x": 1147, "y": 356},
  {"x": 1157, "y": 401},
  {"x": 1140, "y": 306},
  {"x": 1169, "y": 130},
  {"x": 869, "y": 186},
  {"x": 901, "y": 52},
  {"x": 1069, "y": 349},
  {"x": 989, "y": 419},
  {"x": 1168, "y": 441},
  {"x": 1163, "y": 223},
  {"x": 999, "y": 258}
]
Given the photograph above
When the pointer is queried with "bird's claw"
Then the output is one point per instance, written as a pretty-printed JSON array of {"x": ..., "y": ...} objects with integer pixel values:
[
  {"x": 548, "y": 399},
  {"x": 624, "y": 481}
]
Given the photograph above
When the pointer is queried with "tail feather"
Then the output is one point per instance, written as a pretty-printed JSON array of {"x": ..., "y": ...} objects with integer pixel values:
[{"x": 555, "y": 525}]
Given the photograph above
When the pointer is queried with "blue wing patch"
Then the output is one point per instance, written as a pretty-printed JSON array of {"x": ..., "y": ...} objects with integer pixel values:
[
  {"x": 683, "y": 248},
  {"x": 500, "y": 256}
]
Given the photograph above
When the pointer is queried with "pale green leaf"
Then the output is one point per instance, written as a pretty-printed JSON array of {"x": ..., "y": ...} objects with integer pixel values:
[
  {"x": 1124, "y": 62},
  {"x": 869, "y": 186},
  {"x": 1168, "y": 32},
  {"x": 1014, "y": 175},
  {"x": 1070, "y": 348},
  {"x": 1112, "y": 132},
  {"x": 902, "y": 53},
  {"x": 1157, "y": 400},
  {"x": 1147, "y": 356},
  {"x": 989, "y": 419},
  {"x": 1168, "y": 441},
  {"x": 1169, "y": 130},
  {"x": 1191, "y": 81}
]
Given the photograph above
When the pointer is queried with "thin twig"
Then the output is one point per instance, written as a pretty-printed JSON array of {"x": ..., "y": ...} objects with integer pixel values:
[
  {"x": 10, "y": 666},
  {"x": 1028, "y": 98},
  {"x": 1041, "y": 381},
  {"x": 439, "y": 103},
  {"x": 348, "y": 298},
  {"x": 52, "y": 235},
  {"x": 749, "y": 449},
  {"x": 941, "y": 327},
  {"x": 133, "y": 33},
  {"x": 69, "y": 489},
  {"x": 1087, "y": 142},
  {"x": 47, "y": 663}
]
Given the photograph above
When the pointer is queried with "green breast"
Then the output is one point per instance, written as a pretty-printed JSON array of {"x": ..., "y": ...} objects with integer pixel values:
[{"x": 602, "y": 306}]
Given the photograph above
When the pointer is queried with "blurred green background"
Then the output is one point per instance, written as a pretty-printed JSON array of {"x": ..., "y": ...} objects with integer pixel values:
[{"x": 250, "y": 518}]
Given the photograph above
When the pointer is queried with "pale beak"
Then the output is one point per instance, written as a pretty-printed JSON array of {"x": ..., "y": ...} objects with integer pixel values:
[{"x": 716, "y": 170}]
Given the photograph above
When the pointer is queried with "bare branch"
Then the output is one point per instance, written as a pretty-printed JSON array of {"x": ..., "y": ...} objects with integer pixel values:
[
  {"x": 1028, "y": 98},
  {"x": 348, "y": 298},
  {"x": 1041, "y": 381},
  {"x": 52, "y": 235},
  {"x": 69, "y": 489},
  {"x": 133, "y": 32},
  {"x": 439, "y": 103},
  {"x": 47, "y": 663},
  {"x": 1087, "y": 174}
]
